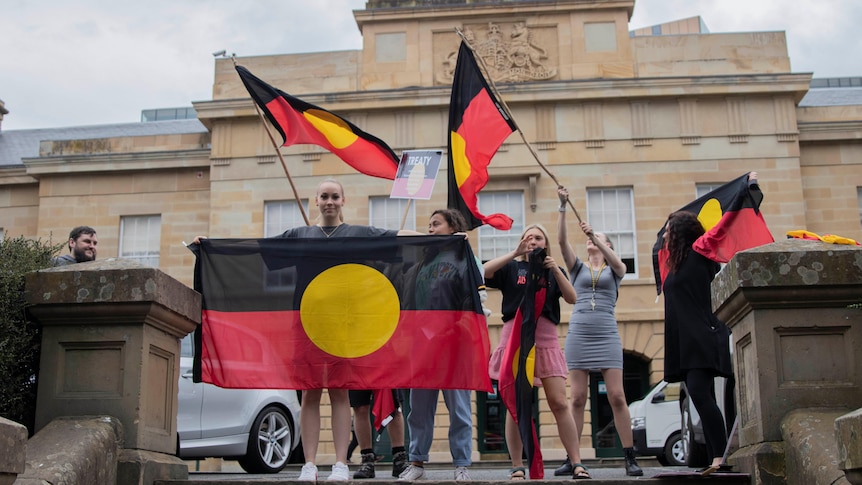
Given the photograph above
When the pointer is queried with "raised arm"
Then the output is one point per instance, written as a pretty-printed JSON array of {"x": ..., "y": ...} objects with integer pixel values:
[
  {"x": 611, "y": 258},
  {"x": 495, "y": 264},
  {"x": 569, "y": 255}
]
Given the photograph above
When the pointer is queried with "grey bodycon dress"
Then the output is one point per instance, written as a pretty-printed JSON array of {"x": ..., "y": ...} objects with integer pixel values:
[{"x": 593, "y": 341}]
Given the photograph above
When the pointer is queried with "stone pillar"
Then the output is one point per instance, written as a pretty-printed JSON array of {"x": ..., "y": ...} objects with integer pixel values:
[
  {"x": 796, "y": 338},
  {"x": 110, "y": 346}
]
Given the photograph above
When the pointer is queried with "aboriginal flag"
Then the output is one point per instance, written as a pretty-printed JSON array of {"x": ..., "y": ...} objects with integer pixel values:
[
  {"x": 519, "y": 358},
  {"x": 301, "y": 122},
  {"x": 478, "y": 125},
  {"x": 733, "y": 222},
  {"x": 286, "y": 313}
]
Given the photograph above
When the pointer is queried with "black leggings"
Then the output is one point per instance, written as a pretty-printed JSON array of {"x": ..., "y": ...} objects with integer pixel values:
[{"x": 700, "y": 387}]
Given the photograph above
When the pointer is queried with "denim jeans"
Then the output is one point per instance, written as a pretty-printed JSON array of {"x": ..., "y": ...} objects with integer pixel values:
[{"x": 423, "y": 406}]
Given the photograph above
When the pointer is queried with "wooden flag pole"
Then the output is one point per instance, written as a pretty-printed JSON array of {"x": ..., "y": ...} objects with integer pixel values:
[
  {"x": 509, "y": 114},
  {"x": 278, "y": 152},
  {"x": 406, "y": 211}
]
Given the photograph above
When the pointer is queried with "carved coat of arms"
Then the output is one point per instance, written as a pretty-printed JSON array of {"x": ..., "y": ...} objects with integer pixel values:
[{"x": 509, "y": 58}]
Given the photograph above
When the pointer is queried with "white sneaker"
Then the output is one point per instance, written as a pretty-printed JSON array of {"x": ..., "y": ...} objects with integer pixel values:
[
  {"x": 340, "y": 472},
  {"x": 461, "y": 474},
  {"x": 308, "y": 473},
  {"x": 412, "y": 472}
]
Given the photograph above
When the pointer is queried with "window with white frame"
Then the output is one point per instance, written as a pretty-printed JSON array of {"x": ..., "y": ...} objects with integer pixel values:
[
  {"x": 281, "y": 215},
  {"x": 611, "y": 211},
  {"x": 140, "y": 238},
  {"x": 494, "y": 242},
  {"x": 388, "y": 213},
  {"x": 703, "y": 189}
]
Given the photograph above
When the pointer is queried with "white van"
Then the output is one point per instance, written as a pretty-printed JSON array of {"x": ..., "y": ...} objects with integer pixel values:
[
  {"x": 670, "y": 429},
  {"x": 656, "y": 424}
]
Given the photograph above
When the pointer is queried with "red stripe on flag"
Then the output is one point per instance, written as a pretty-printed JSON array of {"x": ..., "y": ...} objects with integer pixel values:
[
  {"x": 430, "y": 349},
  {"x": 736, "y": 231},
  {"x": 483, "y": 131}
]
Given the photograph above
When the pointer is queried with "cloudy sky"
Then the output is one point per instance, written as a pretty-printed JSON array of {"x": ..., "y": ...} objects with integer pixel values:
[{"x": 90, "y": 62}]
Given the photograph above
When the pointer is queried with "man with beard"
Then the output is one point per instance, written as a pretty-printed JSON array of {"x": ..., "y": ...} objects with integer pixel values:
[{"x": 82, "y": 247}]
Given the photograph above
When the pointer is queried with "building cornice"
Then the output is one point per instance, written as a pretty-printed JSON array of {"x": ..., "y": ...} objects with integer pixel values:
[
  {"x": 829, "y": 131},
  {"x": 465, "y": 11},
  {"x": 16, "y": 175},
  {"x": 90, "y": 163},
  {"x": 793, "y": 85}
]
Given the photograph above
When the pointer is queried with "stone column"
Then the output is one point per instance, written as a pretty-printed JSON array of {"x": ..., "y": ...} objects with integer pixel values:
[
  {"x": 796, "y": 338},
  {"x": 110, "y": 346}
]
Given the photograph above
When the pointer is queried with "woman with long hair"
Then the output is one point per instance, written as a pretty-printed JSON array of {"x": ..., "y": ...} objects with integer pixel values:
[
  {"x": 696, "y": 342},
  {"x": 508, "y": 273}
]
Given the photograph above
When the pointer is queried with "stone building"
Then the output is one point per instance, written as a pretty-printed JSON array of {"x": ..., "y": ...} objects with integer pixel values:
[{"x": 634, "y": 124}]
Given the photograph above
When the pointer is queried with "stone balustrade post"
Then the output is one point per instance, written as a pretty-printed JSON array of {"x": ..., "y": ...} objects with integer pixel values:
[
  {"x": 111, "y": 333},
  {"x": 796, "y": 339}
]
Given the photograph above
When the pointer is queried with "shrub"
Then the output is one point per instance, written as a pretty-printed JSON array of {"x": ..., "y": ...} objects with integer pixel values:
[{"x": 20, "y": 338}]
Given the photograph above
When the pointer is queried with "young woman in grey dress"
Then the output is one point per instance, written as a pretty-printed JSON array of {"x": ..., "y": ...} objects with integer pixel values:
[{"x": 593, "y": 341}]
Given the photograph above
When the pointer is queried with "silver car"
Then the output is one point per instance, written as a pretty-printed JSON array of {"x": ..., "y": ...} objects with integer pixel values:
[{"x": 257, "y": 427}]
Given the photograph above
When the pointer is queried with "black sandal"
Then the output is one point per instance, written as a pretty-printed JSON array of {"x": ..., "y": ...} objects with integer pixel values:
[
  {"x": 582, "y": 474},
  {"x": 518, "y": 473}
]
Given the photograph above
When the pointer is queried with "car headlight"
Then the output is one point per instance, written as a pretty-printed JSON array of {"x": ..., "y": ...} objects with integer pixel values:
[{"x": 638, "y": 423}]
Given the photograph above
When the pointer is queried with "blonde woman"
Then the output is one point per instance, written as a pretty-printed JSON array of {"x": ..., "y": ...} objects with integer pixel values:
[{"x": 509, "y": 273}]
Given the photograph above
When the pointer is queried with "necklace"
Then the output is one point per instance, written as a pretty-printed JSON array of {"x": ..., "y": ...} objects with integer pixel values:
[
  {"x": 330, "y": 233},
  {"x": 594, "y": 278}
]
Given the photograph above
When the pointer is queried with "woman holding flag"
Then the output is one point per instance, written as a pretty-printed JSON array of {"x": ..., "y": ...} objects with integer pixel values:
[
  {"x": 438, "y": 281},
  {"x": 510, "y": 273},
  {"x": 329, "y": 200},
  {"x": 696, "y": 342},
  {"x": 593, "y": 341}
]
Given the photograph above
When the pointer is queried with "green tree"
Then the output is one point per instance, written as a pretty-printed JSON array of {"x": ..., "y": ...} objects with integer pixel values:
[{"x": 20, "y": 338}]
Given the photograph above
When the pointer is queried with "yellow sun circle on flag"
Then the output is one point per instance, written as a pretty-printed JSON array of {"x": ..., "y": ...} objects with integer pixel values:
[
  {"x": 710, "y": 214},
  {"x": 530, "y": 364},
  {"x": 336, "y": 131},
  {"x": 349, "y": 310}
]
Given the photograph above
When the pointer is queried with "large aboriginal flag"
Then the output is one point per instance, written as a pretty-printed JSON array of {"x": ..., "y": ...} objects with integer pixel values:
[
  {"x": 301, "y": 122},
  {"x": 478, "y": 125},
  {"x": 733, "y": 222},
  {"x": 285, "y": 313},
  {"x": 519, "y": 358}
]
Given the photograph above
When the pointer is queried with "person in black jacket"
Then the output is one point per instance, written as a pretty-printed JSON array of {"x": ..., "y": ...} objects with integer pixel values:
[{"x": 696, "y": 342}]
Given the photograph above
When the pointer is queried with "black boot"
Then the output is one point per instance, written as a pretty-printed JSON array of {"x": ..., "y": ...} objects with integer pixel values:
[
  {"x": 632, "y": 468},
  {"x": 565, "y": 469},
  {"x": 366, "y": 469}
]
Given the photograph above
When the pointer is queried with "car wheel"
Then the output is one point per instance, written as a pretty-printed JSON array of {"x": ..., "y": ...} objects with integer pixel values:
[
  {"x": 694, "y": 452},
  {"x": 269, "y": 442},
  {"x": 674, "y": 453}
]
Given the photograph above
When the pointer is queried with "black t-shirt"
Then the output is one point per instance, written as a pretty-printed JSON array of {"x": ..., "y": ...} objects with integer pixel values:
[{"x": 512, "y": 281}]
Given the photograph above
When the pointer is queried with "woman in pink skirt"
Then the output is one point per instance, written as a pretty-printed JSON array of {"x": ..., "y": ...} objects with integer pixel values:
[{"x": 509, "y": 273}]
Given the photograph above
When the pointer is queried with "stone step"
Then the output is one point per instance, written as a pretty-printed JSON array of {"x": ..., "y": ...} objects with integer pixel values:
[
  {"x": 608, "y": 471},
  {"x": 716, "y": 479}
]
